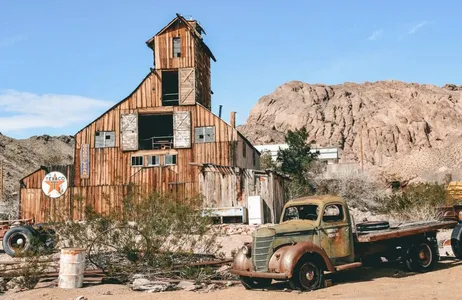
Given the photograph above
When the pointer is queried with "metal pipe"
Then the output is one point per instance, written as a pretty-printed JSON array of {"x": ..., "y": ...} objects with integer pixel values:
[{"x": 219, "y": 111}]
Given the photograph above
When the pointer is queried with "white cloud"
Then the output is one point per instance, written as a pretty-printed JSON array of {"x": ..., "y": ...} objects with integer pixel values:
[
  {"x": 23, "y": 111},
  {"x": 417, "y": 27},
  {"x": 375, "y": 35},
  {"x": 10, "y": 41}
]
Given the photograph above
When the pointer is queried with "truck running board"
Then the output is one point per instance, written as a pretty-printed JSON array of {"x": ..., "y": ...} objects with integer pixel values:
[{"x": 348, "y": 266}]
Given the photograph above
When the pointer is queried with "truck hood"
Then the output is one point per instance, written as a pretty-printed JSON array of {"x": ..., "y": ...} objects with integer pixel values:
[{"x": 289, "y": 228}]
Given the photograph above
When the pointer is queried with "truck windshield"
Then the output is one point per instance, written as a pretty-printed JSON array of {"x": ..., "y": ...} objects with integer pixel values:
[{"x": 301, "y": 212}]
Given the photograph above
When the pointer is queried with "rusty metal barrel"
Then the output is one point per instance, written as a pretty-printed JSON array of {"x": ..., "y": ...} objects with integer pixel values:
[{"x": 71, "y": 268}]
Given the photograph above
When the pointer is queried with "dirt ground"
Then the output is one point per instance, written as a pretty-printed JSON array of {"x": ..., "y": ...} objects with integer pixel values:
[{"x": 387, "y": 282}]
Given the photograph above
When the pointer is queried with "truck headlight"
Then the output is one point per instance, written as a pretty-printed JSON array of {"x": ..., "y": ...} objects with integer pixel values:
[{"x": 246, "y": 251}]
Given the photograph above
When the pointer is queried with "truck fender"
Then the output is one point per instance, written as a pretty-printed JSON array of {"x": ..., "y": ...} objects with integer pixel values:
[
  {"x": 241, "y": 261},
  {"x": 285, "y": 259}
]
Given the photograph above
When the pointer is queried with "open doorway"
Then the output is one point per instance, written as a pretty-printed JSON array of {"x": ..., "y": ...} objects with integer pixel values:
[
  {"x": 155, "y": 132},
  {"x": 170, "y": 88}
]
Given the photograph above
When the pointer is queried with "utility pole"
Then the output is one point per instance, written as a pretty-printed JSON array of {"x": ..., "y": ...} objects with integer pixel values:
[
  {"x": 1, "y": 182},
  {"x": 361, "y": 146}
]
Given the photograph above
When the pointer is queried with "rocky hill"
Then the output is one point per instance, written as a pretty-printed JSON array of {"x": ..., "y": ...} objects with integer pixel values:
[
  {"x": 400, "y": 124},
  {"x": 22, "y": 156}
]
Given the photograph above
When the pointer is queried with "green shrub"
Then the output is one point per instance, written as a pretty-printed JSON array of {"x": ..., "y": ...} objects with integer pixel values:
[{"x": 416, "y": 202}]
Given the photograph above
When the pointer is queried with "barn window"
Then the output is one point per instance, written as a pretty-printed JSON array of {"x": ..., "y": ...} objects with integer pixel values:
[
  {"x": 104, "y": 139},
  {"x": 170, "y": 159},
  {"x": 204, "y": 134},
  {"x": 244, "y": 149},
  {"x": 155, "y": 131},
  {"x": 153, "y": 160},
  {"x": 176, "y": 47},
  {"x": 137, "y": 161},
  {"x": 170, "y": 88}
]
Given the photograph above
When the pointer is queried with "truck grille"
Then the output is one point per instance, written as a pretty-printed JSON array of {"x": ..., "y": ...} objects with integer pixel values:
[{"x": 261, "y": 252}]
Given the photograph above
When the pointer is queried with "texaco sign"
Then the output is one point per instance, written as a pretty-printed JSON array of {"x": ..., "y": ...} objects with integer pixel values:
[{"x": 54, "y": 184}]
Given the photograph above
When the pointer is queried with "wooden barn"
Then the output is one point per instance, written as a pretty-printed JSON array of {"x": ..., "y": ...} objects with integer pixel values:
[{"x": 158, "y": 138}]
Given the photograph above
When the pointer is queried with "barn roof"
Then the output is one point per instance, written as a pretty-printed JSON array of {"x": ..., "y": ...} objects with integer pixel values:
[{"x": 196, "y": 31}]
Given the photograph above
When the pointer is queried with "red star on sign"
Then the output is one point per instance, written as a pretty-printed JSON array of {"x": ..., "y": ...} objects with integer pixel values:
[{"x": 54, "y": 184}]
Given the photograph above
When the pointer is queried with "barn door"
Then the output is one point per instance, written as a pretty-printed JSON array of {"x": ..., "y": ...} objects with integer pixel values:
[
  {"x": 187, "y": 89},
  {"x": 181, "y": 129},
  {"x": 129, "y": 132}
]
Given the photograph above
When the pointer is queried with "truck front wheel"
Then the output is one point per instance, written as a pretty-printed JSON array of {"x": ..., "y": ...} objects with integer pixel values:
[
  {"x": 422, "y": 257},
  {"x": 308, "y": 276},
  {"x": 255, "y": 283}
]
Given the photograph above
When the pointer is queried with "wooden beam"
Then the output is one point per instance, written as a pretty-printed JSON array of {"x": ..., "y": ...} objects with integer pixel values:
[{"x": 232, "y": 119}]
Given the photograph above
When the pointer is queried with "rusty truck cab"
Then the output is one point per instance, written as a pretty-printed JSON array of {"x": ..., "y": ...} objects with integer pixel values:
[
  {"x": 315, "y": 228},
  {"x": 332, "y": 224}
]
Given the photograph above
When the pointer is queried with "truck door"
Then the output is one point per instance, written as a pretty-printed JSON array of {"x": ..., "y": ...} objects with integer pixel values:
[{"x": 335, "y": 231}]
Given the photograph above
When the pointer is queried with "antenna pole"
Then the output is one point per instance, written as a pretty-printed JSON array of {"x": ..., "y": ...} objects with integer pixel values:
[
  {"x": 1, "y": 181},
  {"x": 362, "y": 152}
]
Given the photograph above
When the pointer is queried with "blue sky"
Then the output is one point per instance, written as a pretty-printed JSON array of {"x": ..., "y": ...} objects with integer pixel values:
[{"x": 63, "y": 63}]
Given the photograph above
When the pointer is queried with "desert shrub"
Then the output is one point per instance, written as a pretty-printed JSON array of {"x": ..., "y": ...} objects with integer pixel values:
[
  {"x": 145, "y": 231},
  {"x": 418, "y": 201},
  {"x": 359, "y": 190},
  {"x": 266, "y": 161}
]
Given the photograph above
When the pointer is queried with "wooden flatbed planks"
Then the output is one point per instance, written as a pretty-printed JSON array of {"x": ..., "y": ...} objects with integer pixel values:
[{"x": 404, "y": 231}]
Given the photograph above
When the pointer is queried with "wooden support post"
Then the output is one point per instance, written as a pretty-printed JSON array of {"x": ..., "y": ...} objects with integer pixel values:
[{"x": 1, "y": 182}]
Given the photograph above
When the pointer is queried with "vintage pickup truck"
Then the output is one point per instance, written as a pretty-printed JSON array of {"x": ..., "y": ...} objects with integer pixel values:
[{"x": 316, "y": 235}]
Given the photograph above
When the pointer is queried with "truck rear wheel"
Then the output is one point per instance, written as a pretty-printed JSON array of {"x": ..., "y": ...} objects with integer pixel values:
[
  {"x": 308, "y": 276},
  {"x": 422, "y": 257},
  {"x": 255, "y": 283}
]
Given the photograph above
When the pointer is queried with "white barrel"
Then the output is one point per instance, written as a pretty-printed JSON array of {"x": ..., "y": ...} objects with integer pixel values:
[{"x": 71, "y": 268}]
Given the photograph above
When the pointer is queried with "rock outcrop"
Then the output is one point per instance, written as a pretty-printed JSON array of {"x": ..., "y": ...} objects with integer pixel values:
[
  {"x": 20, "y": 157},
  {"x": 392, "y": 118}
]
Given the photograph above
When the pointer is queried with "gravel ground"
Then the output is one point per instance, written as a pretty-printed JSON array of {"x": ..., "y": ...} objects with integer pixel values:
[{"x": 382, "y": 283}]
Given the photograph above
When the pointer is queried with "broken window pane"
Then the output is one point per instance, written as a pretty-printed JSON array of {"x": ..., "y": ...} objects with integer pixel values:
[
  {"x": 154, "y": 160},
  {"x": 204, "y": 134},
  {"x": 137, "y": 161},
  {"x": 176, "y": 47},
  {"x": 170, "y": 159},
  {"x": 104, "y": 139}
]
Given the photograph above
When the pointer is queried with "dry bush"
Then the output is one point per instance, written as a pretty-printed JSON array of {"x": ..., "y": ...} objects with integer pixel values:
[
  {"x": 416, "y": 202},
  {"x": 146, "y": 232},
  {"x": 359, "y": 190},
  {"x": 26, "y": 274},
  {"x": 9, "y": 209}
]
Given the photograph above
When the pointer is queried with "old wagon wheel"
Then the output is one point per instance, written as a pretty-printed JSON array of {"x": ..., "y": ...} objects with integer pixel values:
[{"x": 119, "y": 249}]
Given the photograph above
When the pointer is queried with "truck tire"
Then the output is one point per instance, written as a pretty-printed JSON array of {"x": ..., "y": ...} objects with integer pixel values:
[
  {"x": 456, "y": 241},
  {"x": 308, "y": 276},
  {"x": 254, "y": 283},
  {"x": 422, "y": 256},
  {"x": 372, "y": 226},
  {"x": 18, "y": 240}
]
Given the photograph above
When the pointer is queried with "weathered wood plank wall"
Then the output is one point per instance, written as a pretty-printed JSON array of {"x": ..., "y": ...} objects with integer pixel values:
[{"x": 230, "y": 187}]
